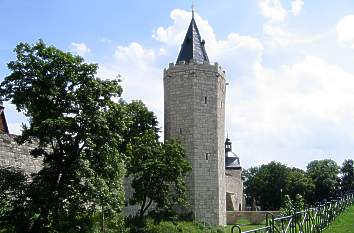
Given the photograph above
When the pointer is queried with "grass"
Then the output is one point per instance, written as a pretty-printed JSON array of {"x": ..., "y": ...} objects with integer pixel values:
[
  {"x": 181, "y": 226},
  {"x": 193, "y": 227},
  {"x": 343, "y": 223},
  {"x": 245, "y": 226}
]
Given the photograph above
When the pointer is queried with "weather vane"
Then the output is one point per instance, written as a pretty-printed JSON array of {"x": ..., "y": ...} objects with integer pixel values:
[{"x": 192, "y": 9}]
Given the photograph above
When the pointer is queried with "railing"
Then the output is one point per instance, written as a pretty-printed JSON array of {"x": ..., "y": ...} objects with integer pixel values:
[{"x": 312, "y": 220}]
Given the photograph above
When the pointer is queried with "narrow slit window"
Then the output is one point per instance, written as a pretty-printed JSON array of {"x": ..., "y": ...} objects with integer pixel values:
[
  {"x": 206, "y": 156},
  {"x": 205, "y": 99},
  {"x": 180, "y": 130}
]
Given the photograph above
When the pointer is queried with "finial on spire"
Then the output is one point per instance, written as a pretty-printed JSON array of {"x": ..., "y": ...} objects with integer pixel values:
[{"x": 192, "y": 10}]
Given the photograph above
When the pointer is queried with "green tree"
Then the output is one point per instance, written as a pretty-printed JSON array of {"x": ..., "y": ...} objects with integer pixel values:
[
  {"x": 12, "y": 184},
  {"x": 79, "y": 129},
  {"x": 289, "y": 206},
  {"x": 140, "y": 120},
  {"x": 299, "y": 183},
  {"x": 250, "y": 185},
  {"x": 324, "y": 174},
  {"x": 299, "y": 203},
  {"x": 347, "y": 172},
  {"x": 158, "y": 173},
  {"x": 267, "y": 184}
]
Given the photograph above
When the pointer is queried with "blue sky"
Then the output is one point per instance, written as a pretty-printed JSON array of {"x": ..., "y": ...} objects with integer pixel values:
[{"x": 289, "y": 63}]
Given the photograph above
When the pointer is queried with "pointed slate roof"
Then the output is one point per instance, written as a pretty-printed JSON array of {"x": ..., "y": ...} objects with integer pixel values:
[{"x": 193, "y": 45}]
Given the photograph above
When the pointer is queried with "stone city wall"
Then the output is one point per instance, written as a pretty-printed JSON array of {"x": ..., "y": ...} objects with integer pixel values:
[
  {"x": 18, "y": 156},
  {"x": 254, "y": 217}
]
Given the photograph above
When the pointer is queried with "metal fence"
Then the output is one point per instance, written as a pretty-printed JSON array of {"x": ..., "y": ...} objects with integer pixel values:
[{"x": 311, "y": 220}]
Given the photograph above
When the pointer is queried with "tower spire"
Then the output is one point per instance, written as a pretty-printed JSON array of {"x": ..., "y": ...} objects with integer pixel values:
[{"x": 193, "y": 47}]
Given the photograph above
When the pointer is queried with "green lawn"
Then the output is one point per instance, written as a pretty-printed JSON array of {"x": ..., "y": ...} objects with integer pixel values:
[
  {"x": 343, "y": 224},
  {"x": 245, "y": 226}
]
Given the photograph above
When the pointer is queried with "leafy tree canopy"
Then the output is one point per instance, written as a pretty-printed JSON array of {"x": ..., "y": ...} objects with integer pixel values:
[
  {"x": 347, "y": 172},
  {"x": 325, "y": 175},
  {"x": 158, "y": 171},
  {"x": 80, "y": 130},
  {"x": 88, "y": 142},
  {"x": 268, "y": 184}
]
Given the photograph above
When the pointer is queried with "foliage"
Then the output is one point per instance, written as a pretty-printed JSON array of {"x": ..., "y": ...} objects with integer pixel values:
[
  {"x": 157, "y": 171},
  {"x": 79, "y": 129},
  {"x": 268, "y": 184},
  {"x": 250, "y": 184},
  {"x": 180, "y": 226},
  {"x": 347, "y": 172},
  {"x": 12, "y": 184},
  {"x": 140, "y": 120},
  {"x": 299, "y": 203},
  {"x": 299, "y": 183},
  {"x": 324, "y": 174},
  {"x": 290, "y": 207},
  {"x": 287, "y": 207}
]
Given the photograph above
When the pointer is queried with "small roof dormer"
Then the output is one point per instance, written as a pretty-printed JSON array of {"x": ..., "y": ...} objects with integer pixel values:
[{"x": 193, "y": 47}]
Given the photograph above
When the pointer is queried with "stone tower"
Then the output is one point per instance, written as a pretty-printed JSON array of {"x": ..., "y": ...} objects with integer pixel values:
[{"x": 194, "y": 100}]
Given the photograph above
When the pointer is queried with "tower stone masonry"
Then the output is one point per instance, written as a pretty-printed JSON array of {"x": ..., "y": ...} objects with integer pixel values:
[{"x": 194, "y": 114}]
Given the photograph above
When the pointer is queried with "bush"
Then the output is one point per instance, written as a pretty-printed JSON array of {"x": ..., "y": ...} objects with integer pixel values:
[{"x": 150, "y": 225}]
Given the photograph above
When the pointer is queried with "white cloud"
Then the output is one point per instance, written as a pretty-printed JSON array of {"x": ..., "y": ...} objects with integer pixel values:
[
  {"x": 135, "y": 54},
  {"x": 141, "y": 76},
  {"x": 296, "y": 113},
  {"x": 279, "y": 36},
  {"x": 345, "y": 31},
  {"x": 296, "y": 6},
  {"x": 272, "y": 9},
  {"x": 174, "y": 34},
  {"x": 293, "y": 113},
  {"x": 278, "y": 33},
  {"x": 80, "y": 48},
  {"x": 216, "y": 49}
]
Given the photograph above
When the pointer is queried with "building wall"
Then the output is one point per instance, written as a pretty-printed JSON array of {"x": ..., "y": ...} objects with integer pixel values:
[
  {"x": 17, "y": 156},
  {"x": 234, "y": 190},
  {"x": 254, "y": 217},
  {"x": 194, "y": 114}
]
